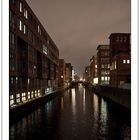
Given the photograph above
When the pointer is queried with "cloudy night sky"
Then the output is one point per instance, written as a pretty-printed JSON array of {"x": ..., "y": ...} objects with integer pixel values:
[{"x": 78, "y": 26}]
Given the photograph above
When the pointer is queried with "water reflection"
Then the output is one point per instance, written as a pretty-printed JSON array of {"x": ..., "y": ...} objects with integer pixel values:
[
  {"x": 95, "y": 106},
  {"x": 62, "y": 103},
  {"x": 84, "y": 107},
  {"x": 78, "y": 114},
  {"x": 73, "y": 101}
]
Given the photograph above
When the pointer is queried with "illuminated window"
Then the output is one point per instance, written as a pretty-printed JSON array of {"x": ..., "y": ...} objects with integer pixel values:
[
  {"x": 18, "y": 100},
  {"x": 16, "y": 80},
  {"x": 102, "y": 66},
  {"x": 106, "y": 78},
  {"x": 11, "y": 102},
  {"x": 25, "y": 13},
  {"x": 128, "y": 61},
  {"x": 23, "y": 94},
  {"x": 124, "y": 61},
  {"x": 25, "y": 29},
  {"x": 32, "y": 94},
  {"x": 108, "y": 66},
  {"x": 11, "y": 97},
  {"x": 115, "y": 65},
  {"x": 20, "y": 25},
  {"x": 17, "y": 95},
  {"x": 95, "y": 66},
  {"x": 23, "y": 98},
  {"x": 20, "y": 6},
  {"x": 38, "y": 29},
  {"x": 102, "y": 78},
  {"x": 12, "y": 80},
  {"x": 28, "y": 96},
  {"x": 28, "y": 84}
]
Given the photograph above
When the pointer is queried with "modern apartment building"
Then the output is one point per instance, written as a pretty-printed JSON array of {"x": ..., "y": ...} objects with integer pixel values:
[
  {"x": 103, "y": 64},
  {"x": 120, "y": 60},
  {"x": 33, "y": 55}
]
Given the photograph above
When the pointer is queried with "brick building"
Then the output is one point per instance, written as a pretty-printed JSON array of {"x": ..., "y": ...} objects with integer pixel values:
[
  {"x": 33, "y": 55},
  {"x": 103, "y": 64},
  {"x": 120, "y": 64}
]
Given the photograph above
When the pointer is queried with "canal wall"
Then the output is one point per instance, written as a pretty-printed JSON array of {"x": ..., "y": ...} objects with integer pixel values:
[
  {"x": 18, "y": 111},
  {"x": 117, "y": 95}
]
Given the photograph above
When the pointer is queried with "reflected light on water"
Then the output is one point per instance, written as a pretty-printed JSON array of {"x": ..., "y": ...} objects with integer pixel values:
[
  {"x": 62, "y": 103},
  {"x": 95, "y": 105},
  {"x": 84, "y": 100},
  {"x": 73, "y": 101},
  {"x": 48, "y": 106},
  {"x": 104, "y": 116}
]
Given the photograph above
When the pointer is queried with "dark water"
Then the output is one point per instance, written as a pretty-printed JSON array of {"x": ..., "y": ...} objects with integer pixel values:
[{"x": 77, "y": 115}]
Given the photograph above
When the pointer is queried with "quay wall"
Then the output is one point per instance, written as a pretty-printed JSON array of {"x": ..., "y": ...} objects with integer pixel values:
[
  {"x": 24, "y": 108},
  {"x": 117, "y": 95}
]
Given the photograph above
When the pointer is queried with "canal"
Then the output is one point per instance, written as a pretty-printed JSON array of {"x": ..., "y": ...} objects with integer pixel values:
[{"x": 78, "y": 114}]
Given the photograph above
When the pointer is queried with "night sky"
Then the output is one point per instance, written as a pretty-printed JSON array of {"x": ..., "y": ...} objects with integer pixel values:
[{"x": 78, "y": 26}]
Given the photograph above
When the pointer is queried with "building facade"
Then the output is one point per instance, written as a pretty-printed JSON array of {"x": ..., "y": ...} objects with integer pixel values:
[
  {"x": 61, "y": 73},
  {"x": 120, "y": 60},
  {"x": 92, "y": 69},
  {"x": 103, "y": 64},
  {"x": 87, "y": 73},
  {"x": 33, "y": 55},
  {"x": 68, "y": 72}
]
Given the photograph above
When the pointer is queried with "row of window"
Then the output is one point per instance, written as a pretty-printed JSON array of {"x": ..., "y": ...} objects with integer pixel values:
[
  {"x": 105, "y": 78},
  {"x": 21, "y": 97},
  {"x": 105, "y": 53},
  {"x": 33, "y": 39},
  {"x": 126, "y": 61},
  {"x": 121, "y": 38},
  {"x": 105, "y": 72},
  {"x": 23, "y": 27},
  {"x": 105, "y": 65},
  {"x": 24, "y": 82},
  {"x": 105, "y": 60}
]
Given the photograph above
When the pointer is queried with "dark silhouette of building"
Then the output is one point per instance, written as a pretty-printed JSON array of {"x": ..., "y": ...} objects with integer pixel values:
[
  {"x": 61, "y": 75},
  {"x": 92, "y": 69},
  {"x": 87, "y": 74},
  {"x": 33, "y": 55},
  {"x": 68, "y": 73},
  {"x": 103, "y": 64},
  {"x": 120, "y": 64}
]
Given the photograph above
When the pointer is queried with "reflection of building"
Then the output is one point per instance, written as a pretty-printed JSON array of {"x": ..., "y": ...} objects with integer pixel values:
[
  {"x": 61, "y": 75},
  {"x": 120, "y": 70},
  {"x": 33, "y": 55},
  {"x": 103, "y": 64},
  {"x": 68, "y": 73},
  {"x": 92, "y": 69}
]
